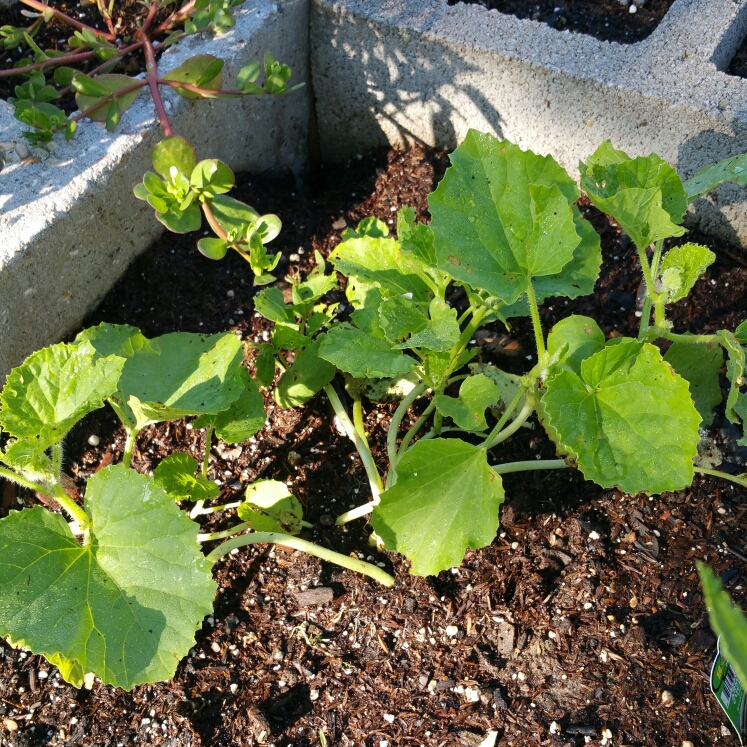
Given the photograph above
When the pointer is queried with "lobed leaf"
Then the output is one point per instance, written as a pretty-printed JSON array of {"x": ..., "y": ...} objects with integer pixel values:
[
  {"x": 126, "y": 605},
  {"x": 441, "y": 332},
  {"x": 271, "y": 507},
  {"x": 476, "y": 394},
  {"x": 681, "y": 268},
  {"x": 626, "y": 417},
  {"x": 574, "y": 339},
  {"x": 176, "y": 475},
  {"x": 445, "y": 500},
  {"x": 734, "y": 372},
  {"x": 699, "y": 365}
]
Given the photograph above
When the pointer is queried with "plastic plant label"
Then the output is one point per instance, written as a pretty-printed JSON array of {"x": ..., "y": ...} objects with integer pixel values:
[{"x": 729, "y": 693}]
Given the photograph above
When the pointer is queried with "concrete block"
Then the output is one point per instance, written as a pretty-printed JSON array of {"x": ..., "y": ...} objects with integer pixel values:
[
  {"x": 70, "y": 224},
  {"x": 398, "y": 71}
]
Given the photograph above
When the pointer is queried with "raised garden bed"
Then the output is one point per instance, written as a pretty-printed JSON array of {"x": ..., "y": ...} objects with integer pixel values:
[{"x": 581, "y": 614}]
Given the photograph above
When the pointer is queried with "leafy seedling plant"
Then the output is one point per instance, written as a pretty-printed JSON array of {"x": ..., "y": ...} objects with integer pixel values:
[
  {"x": 505, "y": 227},
  {"x": 116, "y": 588},
  {"x": 182, "y": 189}
]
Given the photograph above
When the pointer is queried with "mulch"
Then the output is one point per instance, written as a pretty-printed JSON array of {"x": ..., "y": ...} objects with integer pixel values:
[{"x": 566, "y": 630}]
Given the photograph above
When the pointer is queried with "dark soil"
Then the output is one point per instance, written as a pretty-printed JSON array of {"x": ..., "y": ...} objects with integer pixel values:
[
  {"x": 738, "y": 65},
  {"x": 608, "y": 20},
  {"x": 582, "y": 612}
]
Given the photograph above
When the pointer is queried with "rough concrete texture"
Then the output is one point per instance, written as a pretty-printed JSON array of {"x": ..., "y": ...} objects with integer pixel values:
[
  {"x": 397, "y": 71},
  {"x": 70, "y": 224}
]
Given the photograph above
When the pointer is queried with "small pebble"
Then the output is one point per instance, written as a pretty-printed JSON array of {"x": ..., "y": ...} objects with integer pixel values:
[
  {"x": 632, "y": 9},
  {"x": 667, "y": 699},
  {"x": 633, "y": 602},
  {"x": 51, "y": 146},
  {"x": 389, "y": 718},
  {"x": 593, "y": 535},
  {"x": 93, "y": 440},
  {"x": 725, "y": 731},
  {"x": 687, "y": 743},
  {"x": 215, "y": 646},
  {"x": 230, "y": 293},
  {"x": 10, "y": 725},
  {"x": 234, "y": 687},
  {"x": 554, "y": 728},
  {"x": 451, "y": 630},
  {"x": 22, "y": 151},
  {"x": 41, "y": 153}
]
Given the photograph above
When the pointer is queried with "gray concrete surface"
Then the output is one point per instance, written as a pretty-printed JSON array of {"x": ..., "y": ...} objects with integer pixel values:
[
  {"x": 70, "y": 225},
  {"x": 398, "y": 71}
]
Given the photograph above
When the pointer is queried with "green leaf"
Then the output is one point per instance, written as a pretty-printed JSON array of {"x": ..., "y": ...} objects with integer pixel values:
[
  {"x": 371, "y": 226},
  {"x": 398, "y": 318},
  {"x": 728, "y": 622},
  {"x": 243, "y": 418},
  {"x": 173, "y": 151},
  {"x": 734, "y": 372},
  {"x": 53, "y": 389},
  {"x": 316, "y": 285},
  {"x": 212, "y": 248},
  {"x": 699, "y": 365},
  {"x": 476, "y": 394},
  {"x": 288, "y": 338},
  {"x": 308, "y": 374},
  {"x": 63, "y": 76},
  {"x": 270, "y": 303},
  {"x": 126, "y": 605},
  {"x": 231, "y": 214},
  {"x": 379, "y": 262},
  {"x": 508, "y": 384},
  {"x": 81, "y": 83},
  {"x": 502, "y": 215},
  {"x": 361, "y": 355},
  {"x": 176, "y": 475},
  {"x": 732, "y": 169},
  {"x": 681, "y": 268},
  {"x": 248, "y": 73},
  {"x": 113, "y": 339},
  {"x": 202, "y": 70},
  {"x": 416, "y": 239},
  {"x": 181, "y": 221},
  {"x": 574, "y": 339},
  {"x": 644, "y": 195},
  {"x": 29, "y": 458},
  {"x": 179, "y": 374},
  {"x": 212, "y": 177},
  {"x": 264, "y": 365},
  {"x": 626, "y": 418},
  {"x": 740, "y": 333},
  {"x": 441, "y": 333},
  {"x": 109, "y": 84},
  {"x": 445, "y": 500},
  {"x": 271, "y": 507}
]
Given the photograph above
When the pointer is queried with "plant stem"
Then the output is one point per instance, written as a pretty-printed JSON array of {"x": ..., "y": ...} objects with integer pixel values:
[
  {"x": 399, "y": 413},
  {"x": 528, "y": 466},
  {"x": 57, "y": 461},
  {"x": 650, "y": 292},
  {"x": 536, "y": 322},
  {"x": 107, "y": 99},
  {"x": 495, "y": 438},
  {"x": 213, "y": 222},
  {"x": 176, "y": 17},
  {"x": 207, "y": 93},
  {"x": 152, "y": 68},
  {"x": 60, "y": 16},
  {"x": 296, "y": 543},
  {"x": 414, "y": 428},
  {"x": 128, "y": 447},
  {"x": 30, "y": 484},
  {"x": 374, "y": 478},
  {"x": 208, "y": 444},
  {"x": 738, "y": 479},
  {"x": 69, "y": 505},
  {"x": 106, "y": 16},
  {"x": 654, "y": 332},
  {"x": 70, "y": 58},
  {"x": 510, "y": 407}
]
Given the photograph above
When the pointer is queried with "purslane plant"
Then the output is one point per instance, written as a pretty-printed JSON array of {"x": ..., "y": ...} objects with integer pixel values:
[
  {"x": 183, "y": 189},
  {"x": 118, "y": 586},
  {"x": 505, "y": 227}
]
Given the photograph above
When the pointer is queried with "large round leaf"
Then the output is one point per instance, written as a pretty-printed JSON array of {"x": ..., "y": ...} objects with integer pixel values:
[
  {"x": 126, "y": 605},
  {"x": 626, "y": 417}
]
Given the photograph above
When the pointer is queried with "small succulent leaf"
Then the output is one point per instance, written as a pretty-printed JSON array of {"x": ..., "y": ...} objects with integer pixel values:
[
  {"x": 476, "y": 394},
  {"x": 212, "y": 248},
  {"x": 502, "y": 215},
  {"x": 245, "y": 417},
  {"x": 270, "y": 507},
  {"x": 445, "y": 500},
  {"x": 248, "y": 73},
  {"x": 82, "y": 83},
  {"x": 379, "y": 262},
  {"x": 53, "y": 389},
  {"x": 264, "y": 365},
  {"x": 441, "y": 333},
  {"x": 173, "y": 151},
  {"x": 231, "y": 214},
  {"x": 732, "y": 169},
  {"x": 699, "y": 365},
  {"x": 109, "y": 83},
  {"x": 308, "y": 374},
  {"x": 140, "y": 191},
  {"x": 180, "y": 221},
  {"x": 574, "y": 339},
  {"x": 211, "y": 176},
  {"x": 268, "y": 227},
  {"x": 626, "y": 418},
  {"x": 681, "y": 268},
  {"x": 734, "y": 372},
  {"x": 370, "y": 226},
  {"x": 176, "y": 475},
  {"x": 63, "y": 76},
  {"x": 128, "y": 613},
  {"x": 271, "y": 305},
  {"x": 362, "y": 355},
  {"x": 29, "y": 458},
  {"x": 180, "y": 374},
  {"x": 728, "y": 622},
  {"x": 202, "y": 70}
]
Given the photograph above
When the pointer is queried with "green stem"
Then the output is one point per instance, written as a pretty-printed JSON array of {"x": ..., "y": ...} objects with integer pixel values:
[
  {"x": 738, "y": 479},
  {"x": 208, "y": 444},
  {"x": 238, "y": 529},
  {"x": 499, "y": 436},
  {"x": 412, "y": 432},
  {"x": 129, "y": 445},
  {"x": 531, "y": 464},
  {"x": 355, "y": 513},
  {"x": 57, "y": 460},
  {"x": 536, "y": 322},
  {"x": 449, "y": 429},
  {"x": 30, "y": 484},
  {"x": 512, "y": 405},
  {"x": 296, "y": 543},
  {"x": 374, "y": 478},
  {"x": 650, "y": 292},
  {"x": 70, "y": 506},
  {"x": 396, "y": 421},
  {"x": 655, "y": 332}
]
